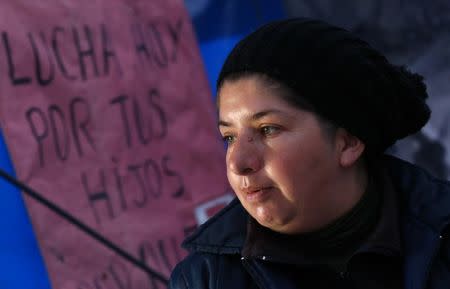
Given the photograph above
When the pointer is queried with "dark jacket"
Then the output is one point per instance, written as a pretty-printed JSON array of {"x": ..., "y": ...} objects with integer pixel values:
[{"x": 215, "y": 261}]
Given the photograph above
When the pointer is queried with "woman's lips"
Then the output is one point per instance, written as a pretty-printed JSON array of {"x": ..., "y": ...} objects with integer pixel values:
[{"x": 257, "y": 195}]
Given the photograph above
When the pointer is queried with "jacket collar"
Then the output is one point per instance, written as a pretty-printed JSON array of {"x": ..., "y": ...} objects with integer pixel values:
[{"x": 224, "y": 233}]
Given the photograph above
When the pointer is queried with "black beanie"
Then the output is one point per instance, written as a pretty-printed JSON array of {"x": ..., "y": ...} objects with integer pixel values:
[{"x": 345, "y": 80}]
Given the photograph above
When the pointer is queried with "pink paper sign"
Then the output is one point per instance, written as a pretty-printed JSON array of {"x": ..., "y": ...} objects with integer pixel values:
[{"x": 106, "y": 112}]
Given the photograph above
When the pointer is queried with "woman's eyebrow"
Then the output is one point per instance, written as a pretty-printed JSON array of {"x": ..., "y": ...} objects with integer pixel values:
[
  {"x": 254, "y": 117},
  {"x": 223, "y": 123},
  {"x": 264, "y": 113}
]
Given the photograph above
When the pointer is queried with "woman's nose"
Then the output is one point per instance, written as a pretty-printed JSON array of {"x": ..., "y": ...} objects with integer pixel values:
[{"x": 244, "y": 156}]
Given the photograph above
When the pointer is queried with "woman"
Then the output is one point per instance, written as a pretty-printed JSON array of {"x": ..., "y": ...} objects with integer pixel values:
[{"x": 307, "y": 110}]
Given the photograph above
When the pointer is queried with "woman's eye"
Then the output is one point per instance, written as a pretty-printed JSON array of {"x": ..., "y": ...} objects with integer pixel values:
[
  {"x": 269, "y": 130},
  {"x": 228, "y": 139}
]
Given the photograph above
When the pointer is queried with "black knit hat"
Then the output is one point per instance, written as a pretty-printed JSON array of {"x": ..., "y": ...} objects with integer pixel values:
[{"x": 344, "y": 79}]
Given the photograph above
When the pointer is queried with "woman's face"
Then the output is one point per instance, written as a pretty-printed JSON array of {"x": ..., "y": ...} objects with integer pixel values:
[{"x": 280, "y": 162}]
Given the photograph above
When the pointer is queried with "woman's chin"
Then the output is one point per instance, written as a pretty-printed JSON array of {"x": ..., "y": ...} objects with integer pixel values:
[{"x": 264, "y": 216}]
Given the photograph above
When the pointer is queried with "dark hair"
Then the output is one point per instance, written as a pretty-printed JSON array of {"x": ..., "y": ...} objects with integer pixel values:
[{"x": 336, "y": 75}]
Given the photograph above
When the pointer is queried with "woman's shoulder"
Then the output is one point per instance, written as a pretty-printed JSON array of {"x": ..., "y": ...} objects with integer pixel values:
[{"x": 424, "y": 197}]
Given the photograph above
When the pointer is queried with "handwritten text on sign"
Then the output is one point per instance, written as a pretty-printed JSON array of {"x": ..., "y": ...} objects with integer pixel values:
[{"x": 106, "y": 111}]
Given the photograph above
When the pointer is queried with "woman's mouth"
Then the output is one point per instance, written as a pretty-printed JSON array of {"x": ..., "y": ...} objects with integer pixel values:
[{"x": 257, "y": 194}]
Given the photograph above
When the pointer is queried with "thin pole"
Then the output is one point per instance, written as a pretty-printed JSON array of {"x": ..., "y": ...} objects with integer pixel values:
[{"x": 83, "y": 227}]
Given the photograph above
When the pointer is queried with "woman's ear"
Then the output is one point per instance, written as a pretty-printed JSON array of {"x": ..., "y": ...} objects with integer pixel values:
[{"x": 350, "y": 148}]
